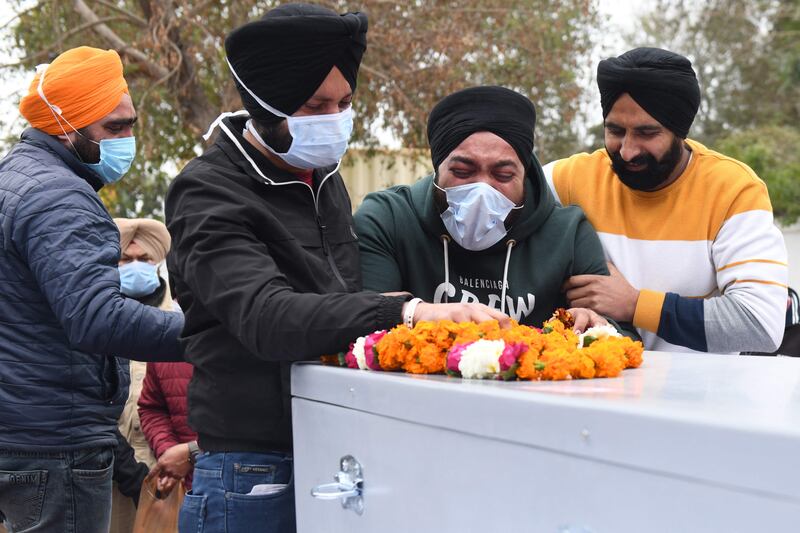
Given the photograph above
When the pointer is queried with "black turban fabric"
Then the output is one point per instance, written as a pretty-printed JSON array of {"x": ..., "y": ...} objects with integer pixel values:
[
  {"x": 284, "y": 57},
  {"x": 661, "y": 82},
  {"x": 498, "y": 110}
]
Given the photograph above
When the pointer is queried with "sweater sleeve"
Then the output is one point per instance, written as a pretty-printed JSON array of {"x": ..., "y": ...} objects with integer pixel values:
[
  {"x": 375, "y": 226},
  {"x": 233, "y": 274},
  {"x": 72, "y": 248},
  {"x": 748, "y": 313},
  {"x": 560, "y": 189},
  {"x": 154, "y": 415}
]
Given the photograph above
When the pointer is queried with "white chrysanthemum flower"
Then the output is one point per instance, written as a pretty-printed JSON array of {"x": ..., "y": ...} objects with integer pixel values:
[
  {"x": 598, "y": 332},
  {"x": 358, "y": 352},
  {"x": 481, "y": 359}
]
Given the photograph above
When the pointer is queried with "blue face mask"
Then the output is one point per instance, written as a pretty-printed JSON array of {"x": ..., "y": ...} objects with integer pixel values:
[
  {"x": 138, "y": 279},
  {"x": 116, "y": 157}
]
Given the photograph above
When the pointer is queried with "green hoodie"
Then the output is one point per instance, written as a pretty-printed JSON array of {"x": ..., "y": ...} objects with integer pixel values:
[{"x": 402, "y": 240}]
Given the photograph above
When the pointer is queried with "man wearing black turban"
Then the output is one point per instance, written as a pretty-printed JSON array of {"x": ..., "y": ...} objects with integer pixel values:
[
  {"x": 264, "y": 259},
  {"x": 698, "y": 264},
  {"x": 483, "y": 227}
]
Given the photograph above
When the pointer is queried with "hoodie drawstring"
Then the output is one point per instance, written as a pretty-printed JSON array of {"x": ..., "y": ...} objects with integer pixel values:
[
  {"x": 445, "y": 240},
  {"x": 510, "y": 245}
]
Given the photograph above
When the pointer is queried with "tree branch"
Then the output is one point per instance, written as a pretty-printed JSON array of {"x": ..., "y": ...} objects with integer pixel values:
[
  {"x": 133, "y": 16},
  {"x": 155, "y": 70},
  {"x": 58, "y": 43},
  {"x": 21, "y": 13},
  {"x": 375, "y": 72}
]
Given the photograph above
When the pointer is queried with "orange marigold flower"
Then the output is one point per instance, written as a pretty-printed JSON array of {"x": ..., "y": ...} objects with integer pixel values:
[
  {"x": 584, "y": 366},
  {"x": 609, "y": 360},
  {"x": 330, "y": 359},
  {"x": 529, "y": 366},
  {"x": 550, "y": 353}
]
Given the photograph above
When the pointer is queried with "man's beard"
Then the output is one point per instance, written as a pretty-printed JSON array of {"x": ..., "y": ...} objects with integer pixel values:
[
  {"x": 655, "y": 172},
  {"x": 276, "y": 135},
  {"x": 86, "y": 150}
]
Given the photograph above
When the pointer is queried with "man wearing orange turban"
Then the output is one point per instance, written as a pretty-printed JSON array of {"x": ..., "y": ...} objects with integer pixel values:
[
  {"x": 64, "y": 319},
  {"x": 82, "y": 100}
]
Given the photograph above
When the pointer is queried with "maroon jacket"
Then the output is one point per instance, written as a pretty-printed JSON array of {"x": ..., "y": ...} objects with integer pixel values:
[{"x": 163, "y": 408}]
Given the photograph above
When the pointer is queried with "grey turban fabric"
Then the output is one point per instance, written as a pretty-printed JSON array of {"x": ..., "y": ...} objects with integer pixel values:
[
  {"x": 284, "y": 57},
  {"x": 663, "y": 83},
  {"x": 506, "y": 113}
]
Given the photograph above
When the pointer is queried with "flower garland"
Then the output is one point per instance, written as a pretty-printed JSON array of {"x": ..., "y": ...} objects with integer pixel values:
[{"x": 485, "y": 351}]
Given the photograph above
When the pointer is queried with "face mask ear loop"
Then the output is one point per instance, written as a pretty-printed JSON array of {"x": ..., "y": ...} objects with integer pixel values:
[
  {"x": 56, "y": 111},
  {"x": 261, "y": 102}
]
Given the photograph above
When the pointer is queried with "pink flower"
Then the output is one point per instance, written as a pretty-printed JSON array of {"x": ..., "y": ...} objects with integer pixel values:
[
  {"x": 510, "y": 354},
  {"x": 370, "y": 352},
  {"x": 350, "y": 359},
  {"x": 454, "y": 357}
]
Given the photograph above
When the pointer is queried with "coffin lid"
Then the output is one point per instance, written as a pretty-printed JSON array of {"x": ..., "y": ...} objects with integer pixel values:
[{"x": 723, "y": 420}]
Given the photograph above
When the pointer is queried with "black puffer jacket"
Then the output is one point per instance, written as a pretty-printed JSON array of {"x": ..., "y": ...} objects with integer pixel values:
[{"x": 267, "y": 272}]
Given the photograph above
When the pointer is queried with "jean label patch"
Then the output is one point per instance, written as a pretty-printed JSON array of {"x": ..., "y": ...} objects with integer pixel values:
[
  {"x": 254, "y": 469},
  {"x": 24, "y": 478}
]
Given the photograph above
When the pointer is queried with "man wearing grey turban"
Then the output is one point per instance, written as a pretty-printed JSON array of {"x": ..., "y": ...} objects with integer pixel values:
[
  {"x": 696, "y": 261},
  {"x": 265, "y": 261}
]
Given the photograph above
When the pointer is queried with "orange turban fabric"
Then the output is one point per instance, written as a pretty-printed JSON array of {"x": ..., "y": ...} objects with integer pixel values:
[
  {"x": 150, "y": 234},
  {"x": 85, "y": 83}
]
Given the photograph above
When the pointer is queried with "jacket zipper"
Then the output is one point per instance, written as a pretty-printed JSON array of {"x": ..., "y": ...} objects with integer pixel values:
[{"x": 325, "y": 245}]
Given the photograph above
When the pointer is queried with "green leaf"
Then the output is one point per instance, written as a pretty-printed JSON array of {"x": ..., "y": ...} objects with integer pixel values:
[
  {"x": 510, "y": 374},
  {"x": 588, "y": 340}
]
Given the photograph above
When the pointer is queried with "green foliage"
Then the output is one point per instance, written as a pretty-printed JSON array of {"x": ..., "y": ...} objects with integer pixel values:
[
  {"x": 418, "y": 52},
  {"x": 773, "y": 152},
  {"x": 747, "y": 57}
]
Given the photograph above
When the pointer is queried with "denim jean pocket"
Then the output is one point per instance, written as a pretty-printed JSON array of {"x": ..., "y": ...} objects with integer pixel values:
[
  {"x": 246, "y": 476},
  {"x": 193, "y": 513},
  {"x": 93, "y": 466},
  {"x": 22, "y": 497},
  {"x": 273, "y": 512}
]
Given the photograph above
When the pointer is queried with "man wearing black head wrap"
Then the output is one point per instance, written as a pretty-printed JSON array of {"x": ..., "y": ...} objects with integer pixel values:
[
  {"x": 483, "y": 227},
  {"x": 264, "y": 259},
  {"x": 697, "y": 263}
]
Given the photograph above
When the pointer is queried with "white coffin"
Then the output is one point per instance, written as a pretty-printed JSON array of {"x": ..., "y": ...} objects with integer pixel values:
[{"x": 685, "y": 443}]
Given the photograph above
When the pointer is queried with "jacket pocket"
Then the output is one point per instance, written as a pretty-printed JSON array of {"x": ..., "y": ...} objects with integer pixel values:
[
  {"x": 344, "y": 248},
  {"x": 116, "y": 380}
]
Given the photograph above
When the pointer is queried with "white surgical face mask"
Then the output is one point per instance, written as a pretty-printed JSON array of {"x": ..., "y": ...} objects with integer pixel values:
[
  {"x": 317, "y": 140},
  {"x": 476, "y": 214}
]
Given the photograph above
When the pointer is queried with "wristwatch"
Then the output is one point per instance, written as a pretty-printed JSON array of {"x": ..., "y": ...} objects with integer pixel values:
[{"x": 194, "y": 451}]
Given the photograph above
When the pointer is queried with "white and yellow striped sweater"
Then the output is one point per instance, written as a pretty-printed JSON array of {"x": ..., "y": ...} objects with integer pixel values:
[{"x": 704, "y": 252}]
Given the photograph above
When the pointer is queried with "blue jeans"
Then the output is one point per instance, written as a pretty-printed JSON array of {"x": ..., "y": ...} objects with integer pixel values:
[
  {"x": 219, "y": 500},
  {"x": 58, "y": 492}
]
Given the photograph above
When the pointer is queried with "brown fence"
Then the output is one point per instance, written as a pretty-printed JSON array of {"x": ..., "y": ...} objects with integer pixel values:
[{"x": 367, "y": 171}]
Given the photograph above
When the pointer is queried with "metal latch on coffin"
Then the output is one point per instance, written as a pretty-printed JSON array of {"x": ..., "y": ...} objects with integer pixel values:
[{"x": 348, "y": 487}]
